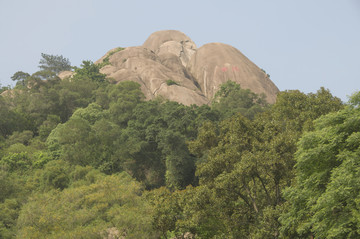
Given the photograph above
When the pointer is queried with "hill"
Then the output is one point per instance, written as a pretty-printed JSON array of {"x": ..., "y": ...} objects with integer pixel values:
[{"x": 170, "y": 65}]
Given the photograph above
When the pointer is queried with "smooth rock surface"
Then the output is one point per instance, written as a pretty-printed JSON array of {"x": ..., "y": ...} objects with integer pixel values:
[
  {"x": 153, "y": 72},
  {"x": 215, "y": 63},
  {"x": 169, "y": 65}
]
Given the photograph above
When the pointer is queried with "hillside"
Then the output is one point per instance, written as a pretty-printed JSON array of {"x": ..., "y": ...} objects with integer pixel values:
[{"x": 83, "y": 157}]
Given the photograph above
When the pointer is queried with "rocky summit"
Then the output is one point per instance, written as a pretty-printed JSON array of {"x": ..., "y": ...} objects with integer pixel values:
[{"x": 170, "y": 65}]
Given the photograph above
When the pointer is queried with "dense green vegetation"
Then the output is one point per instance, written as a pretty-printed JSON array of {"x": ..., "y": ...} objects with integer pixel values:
[{"x": 84, "y": 158}]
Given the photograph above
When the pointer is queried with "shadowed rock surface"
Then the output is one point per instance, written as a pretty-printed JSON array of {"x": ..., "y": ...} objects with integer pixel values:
[{"x": 169, "y": 65}]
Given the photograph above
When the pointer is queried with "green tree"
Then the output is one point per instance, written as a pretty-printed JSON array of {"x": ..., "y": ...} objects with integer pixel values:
[
  {"x": 231, "y": 99},
  {"x": 123, "y": 98},
  {"x": 180, "y": 166},
  {"x": 298, "y": 110},
  {"x": 16, "y": 162},
  {"x": 207, "y": 139},
  {"x": 23, "y": 137},
  {"x": 166, "y": 210},
  {"x": 48, "y": 125},
  {"x": 87, "y": 138},
  {"x": 73, "y": 142},
  {"x": 100, "y": 205},
  {"x": 4, "y": 88},
  {"x": 75, "y": 93},
  {"x": 9, "y": 211},
  {"x": 138, "y": 145},
  {"x": 34, "y": 104},
  {"x": 324, "y": 197},
  {"x": 20, "y": 77},
  {"x": 7, "y": 186},
  {"x": 247, "y": 164},
  {"x": 10, "y": 120},
  {"x": 54, "y": 63},
  {"x": 55, "y": 175},
  {"x": 154, "y": 142},
  {"x": 89, "y": 71}
]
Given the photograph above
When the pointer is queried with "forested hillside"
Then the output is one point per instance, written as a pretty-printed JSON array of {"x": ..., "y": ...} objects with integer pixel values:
[{"x": 84, "y": 158}]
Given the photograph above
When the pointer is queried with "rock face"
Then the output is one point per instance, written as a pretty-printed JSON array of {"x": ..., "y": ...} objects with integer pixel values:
[
  {"x": 215, "y": 63},
  {"x": 169, "y": 65},
  {"x": 65, "y": 74},
  {"x": 162, "y": 75},
  {"x": 174, "y": 42}
]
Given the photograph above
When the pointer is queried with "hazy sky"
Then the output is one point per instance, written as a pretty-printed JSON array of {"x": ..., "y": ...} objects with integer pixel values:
[{"x": 303, "y": 44}]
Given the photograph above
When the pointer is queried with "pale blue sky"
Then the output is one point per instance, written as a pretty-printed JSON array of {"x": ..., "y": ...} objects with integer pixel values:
[{"x": 302, "y": 44}]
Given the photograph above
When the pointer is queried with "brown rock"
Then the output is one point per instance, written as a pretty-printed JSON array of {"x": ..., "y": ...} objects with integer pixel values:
[
  {"x": 7, "y": 93},
  {"x": 156, "y": 39},
  {"x": 153, "y": 73},
  {"x": 215, "y": 63},
  {"x": 66, "y": 74},
  {"x": 169, "y": 65},
  {"x": 171, "y": 41}
]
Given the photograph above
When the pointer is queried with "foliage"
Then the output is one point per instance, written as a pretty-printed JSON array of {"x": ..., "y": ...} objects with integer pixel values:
[
  {"x": 8, "y": 216},
  {"x": 48, "y": 125},
  {"x": 95, "y": 132},
  {"x": 171, "y": 82},
  {"x": 84, "y": 158},
  {"x": 4, "y": 88},
  {"x": 231, "y": 99},
  {"x": 166, "y": 210},
  {"x": 245, "y": 166},
  {"x": 10, "y": 120},
  {"x": 54, "y": 63},
  {"x": 323, "y": 199},
  {"x": 20, "y": 77},
  {"x": 55, "y": 175},
  {"x": 154, "y": 143},
  {"x": 300, "y": 110},
  {"x": 88, "y": 211},
  {"x": 123, "y": 98},
  {"x": 89, "y": 71},
  {"x": 106, "y": 60}
]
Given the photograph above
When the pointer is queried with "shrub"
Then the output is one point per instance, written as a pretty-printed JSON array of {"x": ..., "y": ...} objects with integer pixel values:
[{"x": 171, "y": 82}]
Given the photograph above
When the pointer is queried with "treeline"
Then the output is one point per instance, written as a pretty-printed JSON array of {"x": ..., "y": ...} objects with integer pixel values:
[{"x": 84, "y": 158}]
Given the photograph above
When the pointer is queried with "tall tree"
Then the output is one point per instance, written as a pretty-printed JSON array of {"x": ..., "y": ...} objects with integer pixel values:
[
  {"x": 324, "y": 200},
  {"x": 95, "y": 206},
  {"x": 9, "y": 120},
  {"x": 232, "y": 99},
  {"x": 20, "y": 77},
  {"x": 54, "y": 63},
  {"x": 89, "y": 71},
  {"x": 247, "y": 165}
]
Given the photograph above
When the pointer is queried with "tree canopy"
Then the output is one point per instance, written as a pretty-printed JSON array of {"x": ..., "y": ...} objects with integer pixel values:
[
  {"x": 84, "y": 157},
  {"x": 54, "y": 63},
  {"x": 324, "y": 199}
]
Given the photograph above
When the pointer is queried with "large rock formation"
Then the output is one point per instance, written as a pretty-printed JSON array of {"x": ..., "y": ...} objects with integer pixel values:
[
  {"x": 215, "y": 63},
  {"x": 173, "y": 42},
  {"x": 162, "y": 75},
  {"x": 169, "y": 65}
]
